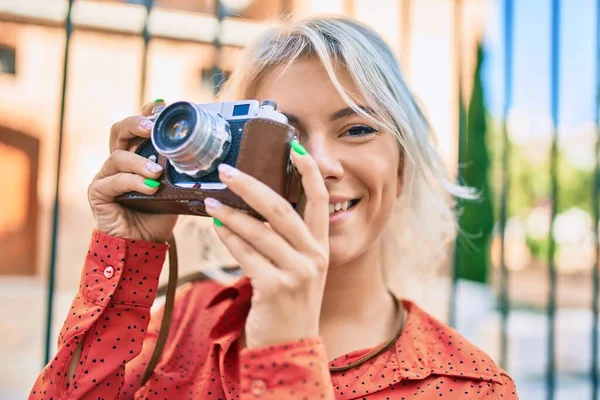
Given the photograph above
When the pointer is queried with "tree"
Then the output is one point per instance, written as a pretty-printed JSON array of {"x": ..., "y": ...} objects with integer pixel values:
[{"x": 476, "y": 217}]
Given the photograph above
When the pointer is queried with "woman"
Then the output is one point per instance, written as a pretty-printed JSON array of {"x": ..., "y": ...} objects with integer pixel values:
[{"x": 313, "y": 318}]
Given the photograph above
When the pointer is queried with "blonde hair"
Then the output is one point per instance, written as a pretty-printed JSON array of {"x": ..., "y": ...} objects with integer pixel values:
[{"x": 423, "y": 222}]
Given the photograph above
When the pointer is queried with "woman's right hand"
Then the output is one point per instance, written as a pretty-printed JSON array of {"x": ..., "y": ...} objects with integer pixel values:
[{"x": 123, "y": 172}]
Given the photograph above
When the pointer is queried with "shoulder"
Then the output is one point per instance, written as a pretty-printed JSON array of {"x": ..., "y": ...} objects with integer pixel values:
[
  {"x": 198, "y": 293},
  {"x": 202, "y": 290},
  {"x": 450, "y": 354}
]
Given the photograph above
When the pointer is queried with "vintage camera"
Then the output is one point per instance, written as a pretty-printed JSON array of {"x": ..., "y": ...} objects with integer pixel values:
[{"x": 190, "y": 140}]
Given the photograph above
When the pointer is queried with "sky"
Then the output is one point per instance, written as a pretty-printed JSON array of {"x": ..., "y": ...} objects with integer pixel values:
[{"x": 531, "y": 60}]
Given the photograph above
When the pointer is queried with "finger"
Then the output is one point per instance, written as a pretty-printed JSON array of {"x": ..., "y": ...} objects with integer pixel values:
[
  {"x": 254, "y": 264},
  {"x": 126, "y": 161},
  {"x": 274, "y": 208},
  {"x": 148, "y": 108},
  {"x": 127, "y": 132},
  {"x": 124, "y": 131},
  {"x": 316, "y": 211},
  {"x": 254, "y": 232},
  {"x": 106, "y": 189}
]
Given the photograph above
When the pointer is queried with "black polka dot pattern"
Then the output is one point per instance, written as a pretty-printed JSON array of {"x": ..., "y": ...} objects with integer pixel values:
[
  {"x": 203, "y": 358},
  {"x": 109, "y": 316}
]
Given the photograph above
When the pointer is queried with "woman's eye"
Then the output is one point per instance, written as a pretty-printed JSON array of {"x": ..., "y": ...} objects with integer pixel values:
[{"x": 360, "y": 130}]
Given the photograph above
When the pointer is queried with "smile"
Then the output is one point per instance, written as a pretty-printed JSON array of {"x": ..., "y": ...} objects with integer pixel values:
[{"x": 343, "y": 206}]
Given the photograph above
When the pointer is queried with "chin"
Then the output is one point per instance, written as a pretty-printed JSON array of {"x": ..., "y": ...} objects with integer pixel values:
[{"x": 342, "y": 252}]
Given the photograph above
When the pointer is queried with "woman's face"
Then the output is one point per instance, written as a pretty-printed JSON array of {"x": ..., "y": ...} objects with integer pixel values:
[{"x": 359, "y": 161}]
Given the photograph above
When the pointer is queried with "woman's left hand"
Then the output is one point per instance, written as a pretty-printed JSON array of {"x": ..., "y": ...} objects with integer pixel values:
[{"x": 287, "y": 261}]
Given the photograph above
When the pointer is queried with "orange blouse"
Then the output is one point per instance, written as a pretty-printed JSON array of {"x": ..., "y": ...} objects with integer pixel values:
[{"x": 202, "y": 359}]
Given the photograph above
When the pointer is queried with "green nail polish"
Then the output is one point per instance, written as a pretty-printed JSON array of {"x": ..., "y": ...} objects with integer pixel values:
[
  {"x": 159, "y": 101},
  {"x": 217, "y": 222},
  {"x": 298, "y": 148},
  {"x": 151, "y": 182}
]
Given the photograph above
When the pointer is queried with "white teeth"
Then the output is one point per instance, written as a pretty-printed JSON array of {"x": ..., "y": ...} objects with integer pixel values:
[{"x": 338, "y": 206}]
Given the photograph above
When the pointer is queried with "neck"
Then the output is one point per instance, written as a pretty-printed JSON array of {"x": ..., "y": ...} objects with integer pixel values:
[{"x": 355, "y": 293}]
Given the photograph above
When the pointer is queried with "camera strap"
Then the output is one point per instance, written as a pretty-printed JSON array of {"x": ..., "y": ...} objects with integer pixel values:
[
  {"x": 298, "y": 195},
  {"x": 165, "y": 324},
  {"x": 174, "y": 281}
]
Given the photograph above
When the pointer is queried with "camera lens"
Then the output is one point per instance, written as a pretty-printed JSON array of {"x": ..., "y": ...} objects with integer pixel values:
[
  {"x": 193, "y": 139},
  {"x": 177, "y": 127},
  {"x": 179, "y": 130}
]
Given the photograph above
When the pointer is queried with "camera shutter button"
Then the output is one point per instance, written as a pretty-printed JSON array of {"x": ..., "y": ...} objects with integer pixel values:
[{"x": 269, "y": 103}]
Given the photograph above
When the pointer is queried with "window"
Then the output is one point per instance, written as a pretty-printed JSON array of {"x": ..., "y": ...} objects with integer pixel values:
[
  {"x": 210, "y": 76},
  {"x": 7, "y": 60}
]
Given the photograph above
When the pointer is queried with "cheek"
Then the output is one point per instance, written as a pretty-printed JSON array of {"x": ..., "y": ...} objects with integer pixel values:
[
  {"x": 383, "y": 175},
  {"x": 383, "y": 186}
]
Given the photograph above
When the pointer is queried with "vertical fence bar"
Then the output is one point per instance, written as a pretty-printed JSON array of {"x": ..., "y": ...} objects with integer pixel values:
[
  {"x": 217, "y": 73},
  {"x": 55, "y": 212},
  {"x": 146, "y": 36},
  {"x": 286, "y": 8},
  {"x": 554, "y": 102},
  {"x": 596, "y": 214},
  {"x": 508, "y": 86},
  {"x": 460, "y": 157}
]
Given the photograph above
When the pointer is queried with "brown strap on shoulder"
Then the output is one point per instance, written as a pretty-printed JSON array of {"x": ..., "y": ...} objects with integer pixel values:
[
  {"x": 165, "y": 324},
  {"x": 377, "y": 351}
]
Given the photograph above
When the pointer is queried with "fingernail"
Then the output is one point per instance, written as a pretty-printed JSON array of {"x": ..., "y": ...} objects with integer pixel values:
[
  {"x": 146, "y": 124},
  {"x": 227, "y": 170},
  {"x": 151, "y": 182},
  {"x": 209, "y": 202},
  {"x": 157, "y": 109},
  {"x": 159, "y": 101},
  {"x": 298, "y": 148},
  {"x": 152, "y": 167},
  {"x": 217, "y": 222}
]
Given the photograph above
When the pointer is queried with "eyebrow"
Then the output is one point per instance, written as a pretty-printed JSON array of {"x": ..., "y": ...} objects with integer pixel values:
[{"x": 344, "y": 112}]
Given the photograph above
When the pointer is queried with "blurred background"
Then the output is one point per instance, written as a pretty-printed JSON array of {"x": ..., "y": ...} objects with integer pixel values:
[{"x": 511, "y": 88}]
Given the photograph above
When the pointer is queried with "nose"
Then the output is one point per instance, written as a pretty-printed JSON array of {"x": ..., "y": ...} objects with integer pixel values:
[{"x": 326, "y": 156}]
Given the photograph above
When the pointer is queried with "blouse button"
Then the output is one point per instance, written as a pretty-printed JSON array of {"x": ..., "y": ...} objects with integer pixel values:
[
  {"x": 109, "y": 272},
  {"x": 258, "y": 387}
]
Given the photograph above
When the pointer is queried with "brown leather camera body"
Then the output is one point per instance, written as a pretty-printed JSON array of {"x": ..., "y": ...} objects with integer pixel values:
[{"x": 263, "y": 153}]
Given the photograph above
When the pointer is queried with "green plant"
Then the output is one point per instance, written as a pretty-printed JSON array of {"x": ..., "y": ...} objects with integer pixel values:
[{"x": 476, "y": 217}]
